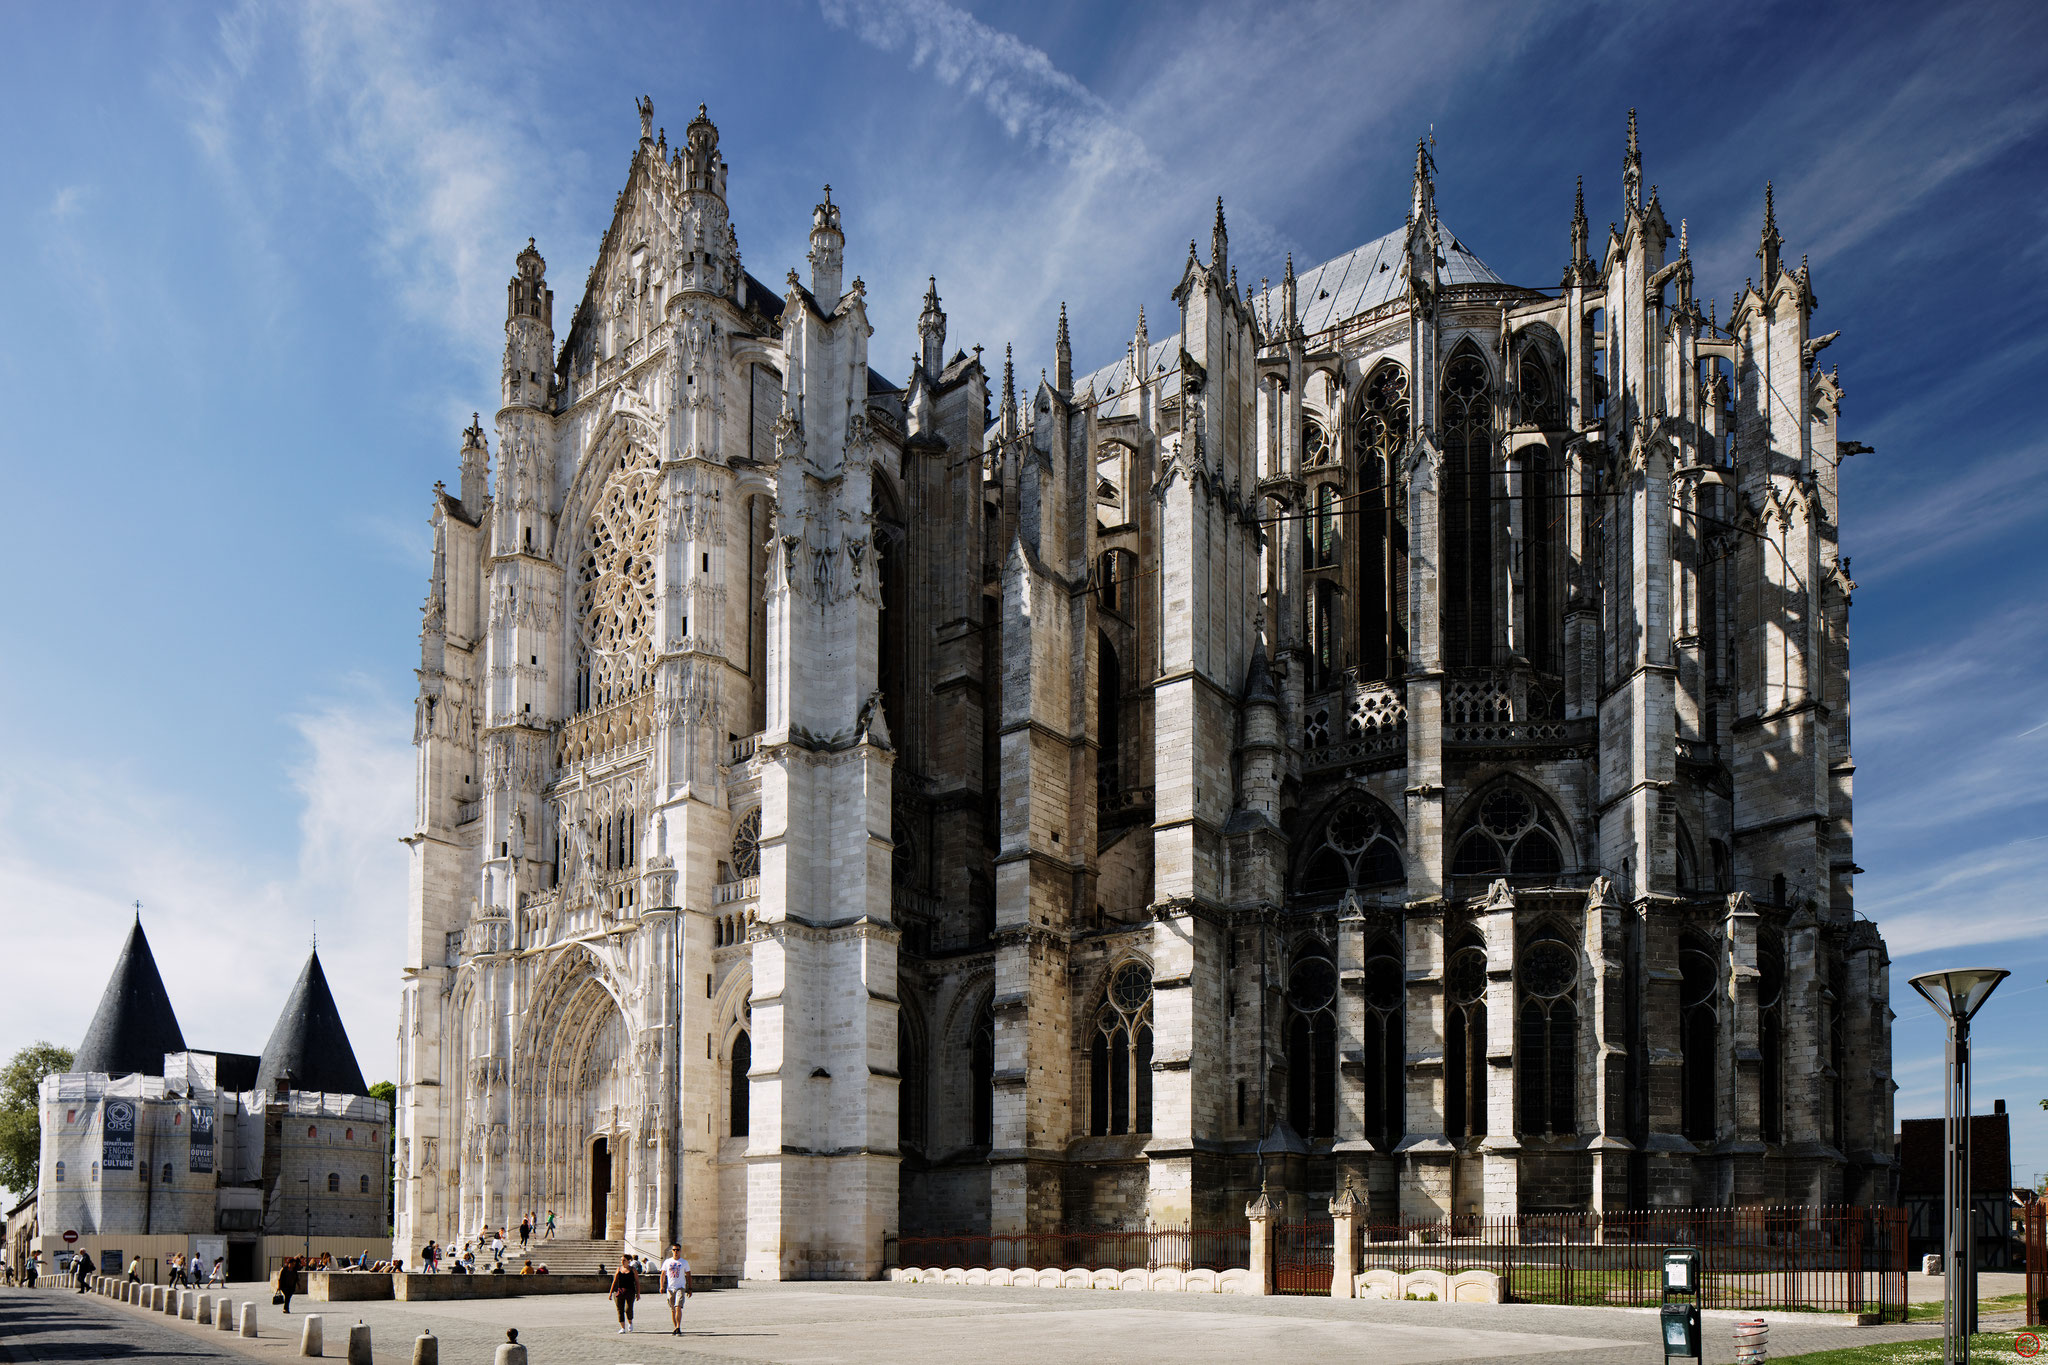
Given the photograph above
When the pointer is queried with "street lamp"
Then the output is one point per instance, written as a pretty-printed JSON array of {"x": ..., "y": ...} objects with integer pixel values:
[{"x": 1956, "y": 997}]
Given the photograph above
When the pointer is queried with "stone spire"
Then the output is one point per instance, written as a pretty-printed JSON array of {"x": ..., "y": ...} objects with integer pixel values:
[
  {"x": 1772, "y": 241},
  {"x": 1009, "y": 392},
  {"x": 1063, "y": 357},
  {"x": 1581, "y": 267},
  {"x": 1290, "y": 313},
  {"x": 476, "y": 468},
  {"x": 1422, "y": 196},
  {"x": 828, "y": 252},
  {"x": 1219, "y": 242},
  {"x": 931, "y": 329},
  {"x": 529, "y": 332},
  {"x": 1632, "y": 166},
  {"x": 134, "y": 1026}
]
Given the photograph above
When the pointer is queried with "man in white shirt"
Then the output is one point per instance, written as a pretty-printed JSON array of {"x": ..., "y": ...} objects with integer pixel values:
[{"x": 675, "y": 1283}]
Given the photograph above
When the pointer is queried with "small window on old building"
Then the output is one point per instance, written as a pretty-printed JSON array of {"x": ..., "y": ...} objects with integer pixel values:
[
  {"x": 167, "y": 1173},
  {"x": 60, "y": 1173},
  {"x": 334, "y": 1182},
  {"x": 312, "y": 1133},
  {"x": 95, "y": 1172},
  {"x": 365, "y": 1184},
  {"x": 348, "y": 1135}
]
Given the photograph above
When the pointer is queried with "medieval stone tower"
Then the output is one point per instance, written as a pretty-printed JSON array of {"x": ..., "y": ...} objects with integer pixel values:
[{"x": 1393, "y": 729}]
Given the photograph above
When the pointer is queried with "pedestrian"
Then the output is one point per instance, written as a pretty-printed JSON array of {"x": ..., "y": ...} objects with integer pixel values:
[
  {"x": 498, "y": 1246},
  {"x": 675, "y": 1284},
  {"x": 82, "y": 1268},
  {"x": 287, "y": 1282},
  {"x": 551, "y": 1225},
  {"x": 427, "y": 1256},
  {"x": 220, "y": 1274},
  {"x": 33, "y": 1268},
  {"x": 625, "y": 1289},
  {"x": 135, "y": 1269},
  {"x": 6, "y": 1266},
  {"x": 525, "y": 1230}
]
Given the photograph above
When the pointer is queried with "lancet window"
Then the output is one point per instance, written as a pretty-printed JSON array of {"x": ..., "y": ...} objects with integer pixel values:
[
  {"x": 1547, "y": 971},
  {"x": 981, "y": 1075},
  {"x": 1322, "y": 634},
  {"x": 1382, "y": 524},
  {"x": 1507, "y": 835},
  {"x": 1120, "y": 1054},
  {"x": 1465, "y": 1040},
  {"x": 615, "y": 587},
  {"x": 1770, "y": 999},
  {"x": 1312, "y": 1041},
  {"x": 911, "y": 1067},
  {"x": 1544, "y": 509},
  {"x": 1382, "y": 1044},
  {"x": 740, "y": 1092},
  {"x": 1699, "y": 1029},
  {"x": 1360, "y": 846},
  {"x": 1466, "y": 411}
]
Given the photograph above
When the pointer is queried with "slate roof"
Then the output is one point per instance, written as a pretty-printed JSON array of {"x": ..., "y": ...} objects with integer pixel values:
[
  {"x": 134, "y": 1025},
  {"x": 1357, "y": 282},
  {"x": 309, "y": 1044}
]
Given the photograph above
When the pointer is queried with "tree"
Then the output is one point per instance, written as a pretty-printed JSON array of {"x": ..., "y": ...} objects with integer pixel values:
[
  {"x": 387, "y": 1092},
  {"x": 21, "y": 1122}
]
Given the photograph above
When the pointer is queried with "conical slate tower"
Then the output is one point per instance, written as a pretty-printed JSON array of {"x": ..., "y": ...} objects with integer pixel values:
[
  {"x": 134, "y": 1026},
  {"x": 309, "y": 1046}
]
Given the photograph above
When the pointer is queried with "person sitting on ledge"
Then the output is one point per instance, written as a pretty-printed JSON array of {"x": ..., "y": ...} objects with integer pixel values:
[
  {"x": 526, "y": 1269},
  {"x": 542, "y": 1271}
]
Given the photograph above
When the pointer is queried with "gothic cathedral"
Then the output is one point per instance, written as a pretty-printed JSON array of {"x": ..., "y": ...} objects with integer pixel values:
[{"x": 1393, "y": 730}]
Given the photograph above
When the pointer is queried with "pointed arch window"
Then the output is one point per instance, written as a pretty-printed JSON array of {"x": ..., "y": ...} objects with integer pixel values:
[
  {"x": 1465, "y": 1040},
  {"x": 1382, "y": 524},
  {"x": 1508, "y": 835},
  {"x": 1312, "y": 1041},
  {"x": 1109, "y": 686},
  {"x": 1548, "y": 974},
  {"x": 1120, "y": 1054},
  {"x": 910, "y": 1066},
  {"x": 1466, "y": 413},
  {"x": 1382, "y": 1044},
  {"x": 1544, "y": 509},
  {"x": 1315, "y": 445},
  {"x": 1359, "y": 847},
  {"x": 1699, "y": 1037},
  {"x": 615, "y": 587},
  {"x": 1770, "y": 999},
  {"x": 1834, "y": 1042},
  {"x": 740, "y": 1091},
  {"x": 1538, "y": 395},
  {"x": 1322, "y": 541},
  {"x": 981, "y": 1078},
  {"x": 1322, "y": 633}
]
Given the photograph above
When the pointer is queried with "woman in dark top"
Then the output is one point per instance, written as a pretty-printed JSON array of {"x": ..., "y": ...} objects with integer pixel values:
[
  {"x": 625, "y": 1289},
  {"x": 288, "y": 1281}
]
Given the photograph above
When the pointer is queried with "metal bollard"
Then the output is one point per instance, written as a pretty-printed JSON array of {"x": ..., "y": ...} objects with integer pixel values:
[
  {"x": 248, "y": 1319},
  {"x": 359, "y": 1344},
  {"x": 511, "y": 1353},
  {"x": 310, "y": 1336},
  {"x": 206, "y": 1309},
  {"x": 426, "y": 1349}
]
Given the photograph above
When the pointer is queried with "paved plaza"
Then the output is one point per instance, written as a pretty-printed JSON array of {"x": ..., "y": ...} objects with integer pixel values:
[{"x": 892, "y": 1324}]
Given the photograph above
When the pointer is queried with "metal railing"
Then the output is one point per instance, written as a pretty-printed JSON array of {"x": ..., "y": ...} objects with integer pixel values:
[
  {"x": 2034, "y": 1218},
  {"x": 1180, "y": 1248},
  {"x": 1821, "y": 1258}
]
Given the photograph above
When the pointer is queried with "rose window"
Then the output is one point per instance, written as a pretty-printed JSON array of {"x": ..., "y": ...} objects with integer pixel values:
[{"x": 615, "y": 587}]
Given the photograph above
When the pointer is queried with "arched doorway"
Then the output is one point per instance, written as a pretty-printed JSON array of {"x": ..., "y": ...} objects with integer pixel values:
[{"x": 600, "y": 1185}]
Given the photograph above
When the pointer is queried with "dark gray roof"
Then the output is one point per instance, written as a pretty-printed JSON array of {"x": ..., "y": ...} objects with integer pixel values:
[
  {"x": 235, "y": 1070},
  {"x": 309, "y": 1046},
  {"x": 134, "y": 1026}
]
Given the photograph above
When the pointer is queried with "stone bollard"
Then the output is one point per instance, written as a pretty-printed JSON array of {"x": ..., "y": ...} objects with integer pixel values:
[
  {"x": 511, "y": 1353},
  {"x": 171, "y": 1301},
  {"x": 1259, "y": 1213},
  {"x": 224, "y": 1315},
  {"x": 359, "y": 1345},
  {"x": 310, "y": 1342},
  {"x": 248, "y": 1319},
  {"x": 1344, "y": 1211},
  {"x": 1930, "y": 1264},
  {"x": 426, "y": 1349},
  {"x": 188, "y": 1304},
  {"x": 206, "y": 1309}
]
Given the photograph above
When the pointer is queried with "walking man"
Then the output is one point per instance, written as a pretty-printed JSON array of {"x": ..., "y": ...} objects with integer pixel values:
[
  {"x": 551, "y": 1225},
  {"x": 675, "y": 1283},
  {"x": 525, "y": 1229},
  {"x": 82, "y": 1267}
]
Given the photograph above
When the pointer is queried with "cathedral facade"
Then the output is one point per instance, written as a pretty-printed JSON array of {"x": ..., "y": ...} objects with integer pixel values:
[{"x": 1392, "y": 730}]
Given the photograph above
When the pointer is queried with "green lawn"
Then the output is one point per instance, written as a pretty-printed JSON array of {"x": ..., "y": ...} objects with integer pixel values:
[
  {"x": 1991, "y": 1348},
  {"x": 1999, "y": 1303}
]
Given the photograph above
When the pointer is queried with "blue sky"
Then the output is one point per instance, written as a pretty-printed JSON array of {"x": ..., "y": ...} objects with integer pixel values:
[{"x": 254, "y": 262}]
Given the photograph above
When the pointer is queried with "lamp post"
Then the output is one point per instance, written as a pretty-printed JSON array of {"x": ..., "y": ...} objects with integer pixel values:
[{"x": 1956, "y": 997}]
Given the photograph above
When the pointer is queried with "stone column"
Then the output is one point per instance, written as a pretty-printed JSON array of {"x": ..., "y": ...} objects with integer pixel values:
[
  {"x": 1260, "y": 1214},
  {"x": 1344, "y": 1214},
  {"x": 1500, "y": 1152}
]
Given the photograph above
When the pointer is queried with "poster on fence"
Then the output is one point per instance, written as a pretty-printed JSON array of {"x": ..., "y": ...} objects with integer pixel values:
[
  {"x": 202, "y": 1139},
  {"x": 117, "y": 1137}
]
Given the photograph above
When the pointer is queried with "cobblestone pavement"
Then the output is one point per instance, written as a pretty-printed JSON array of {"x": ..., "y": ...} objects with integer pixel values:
[{"x": 892, "y": 1324}]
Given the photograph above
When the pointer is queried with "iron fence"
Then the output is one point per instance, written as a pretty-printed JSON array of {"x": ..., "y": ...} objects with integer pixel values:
[
  {"x": 1303, "y": 1255},
  {"x": 1179, "y": 1248},
  {"x": 2035, "y": 1219},
  {"x": 1823, "y": 1258}
]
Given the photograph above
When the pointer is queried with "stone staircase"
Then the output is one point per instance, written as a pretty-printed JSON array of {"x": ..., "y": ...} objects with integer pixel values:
[{"x": 567, "y": 1256}]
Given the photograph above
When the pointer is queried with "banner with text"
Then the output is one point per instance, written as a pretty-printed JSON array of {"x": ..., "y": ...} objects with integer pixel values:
[
  {"x": 117, "y": 1137},
  {"x": 202, "y": 1139}
]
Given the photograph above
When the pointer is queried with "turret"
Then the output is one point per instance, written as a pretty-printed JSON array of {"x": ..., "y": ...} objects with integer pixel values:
[
  {"x": 476, "y": 469},
  {"x": 1580, "y": 269},
  {"x": 1063, "y": 358},
  {"x": 931, "y": 329},
  {"x": 828, "y": 252},
  {"x": 1219, "y": 244},
  {"x": 529, "y": 332},
  {"x": 1632, "y": 167},
  {"x": 702, "y": 168},
  {"x": 1771, "y": 242}
]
